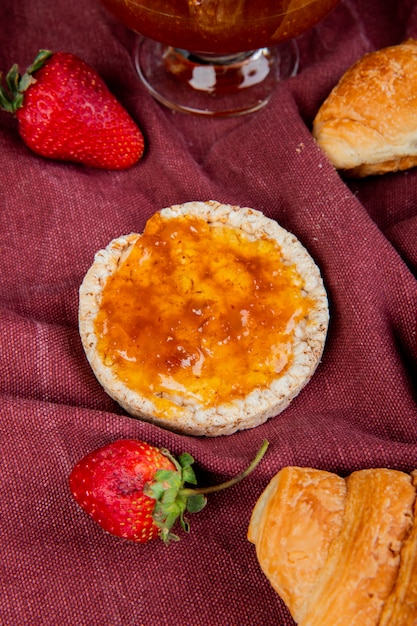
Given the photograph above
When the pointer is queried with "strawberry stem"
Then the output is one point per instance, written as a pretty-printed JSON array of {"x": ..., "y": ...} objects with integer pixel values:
[
  {"x": 173, "y": 499},
  {"x": 232, "y": 481}
]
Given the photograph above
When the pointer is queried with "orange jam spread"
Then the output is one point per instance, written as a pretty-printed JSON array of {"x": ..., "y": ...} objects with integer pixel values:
[{"x": 199, "y": 313}]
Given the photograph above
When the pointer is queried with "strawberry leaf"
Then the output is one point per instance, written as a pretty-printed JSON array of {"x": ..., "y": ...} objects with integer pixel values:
[
  {"x": 168, "y": 476},
  {"x": 188, "y": 476},
  {"x": 169, "y": 496},
  {"x": 5, "y": 101},
  {"x": 166, "y": 536},
  {"x": 185, "y": 460},
  {"x": 154, "y": 490},
  {"x": 196, "y": 503},
  {"x": 40, "y": 60},
  {"x": 25, "y": 82},
  {"x": 173, "y": 499},
  {"x": 12, "y": 80},
  {"x": 11, "y": 95},
  {"x": 185, "y": 525}
]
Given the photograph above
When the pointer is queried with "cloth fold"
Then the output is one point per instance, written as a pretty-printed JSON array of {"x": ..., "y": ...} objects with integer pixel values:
[{"x": 358, "y": 411}]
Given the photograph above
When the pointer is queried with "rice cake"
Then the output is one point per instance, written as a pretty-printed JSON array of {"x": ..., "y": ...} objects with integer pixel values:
[{"x": 210, "y": 321}]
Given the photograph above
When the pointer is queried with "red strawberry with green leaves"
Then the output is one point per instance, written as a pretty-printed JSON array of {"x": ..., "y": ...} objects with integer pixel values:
[
  {"x": 65, "y": 111},
  {"x": 136, "y": 491}
]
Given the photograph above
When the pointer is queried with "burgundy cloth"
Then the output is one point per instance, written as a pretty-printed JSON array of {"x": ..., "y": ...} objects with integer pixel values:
[{"x": 358, "y": 411}]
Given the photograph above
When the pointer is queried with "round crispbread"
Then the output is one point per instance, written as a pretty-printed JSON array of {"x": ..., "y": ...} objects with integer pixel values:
[{"x": 186, "y": 413}]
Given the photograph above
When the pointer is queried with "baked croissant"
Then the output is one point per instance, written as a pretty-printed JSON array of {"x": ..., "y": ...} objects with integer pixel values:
[
  {"x": 368, "y": 123},
  {"x": 340, "y": 552}
]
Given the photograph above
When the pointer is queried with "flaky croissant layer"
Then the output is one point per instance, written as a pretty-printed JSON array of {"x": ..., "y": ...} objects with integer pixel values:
[
  {"x": 340, "y": 552},
  {"x": 368, "y": 123}
]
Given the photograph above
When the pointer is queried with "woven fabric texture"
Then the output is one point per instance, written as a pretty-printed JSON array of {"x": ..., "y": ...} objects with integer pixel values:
[{"x": 358, "y": 411}]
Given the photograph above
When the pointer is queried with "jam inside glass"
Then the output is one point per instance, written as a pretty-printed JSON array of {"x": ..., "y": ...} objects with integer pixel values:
[
  {"x": 217, "y": 35},
  {"x": 220, "y": 26}
]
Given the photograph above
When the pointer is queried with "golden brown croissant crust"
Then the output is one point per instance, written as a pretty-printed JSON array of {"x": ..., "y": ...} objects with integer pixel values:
[
  {"x": 340, "y": 552},
  {"x": 368, "y": 124}
]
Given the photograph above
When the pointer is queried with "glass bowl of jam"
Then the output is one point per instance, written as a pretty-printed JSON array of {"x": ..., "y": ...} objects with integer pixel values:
[{"x": 217, "y": 57}]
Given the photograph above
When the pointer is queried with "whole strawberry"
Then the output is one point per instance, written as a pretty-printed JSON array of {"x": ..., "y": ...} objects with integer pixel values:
[
  {"x": 136, "y": 491},
  {"x": 65, "y": 111}
]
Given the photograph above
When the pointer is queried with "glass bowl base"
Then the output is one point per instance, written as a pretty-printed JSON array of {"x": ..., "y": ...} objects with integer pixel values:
[{"x": 213, "y": 85}]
